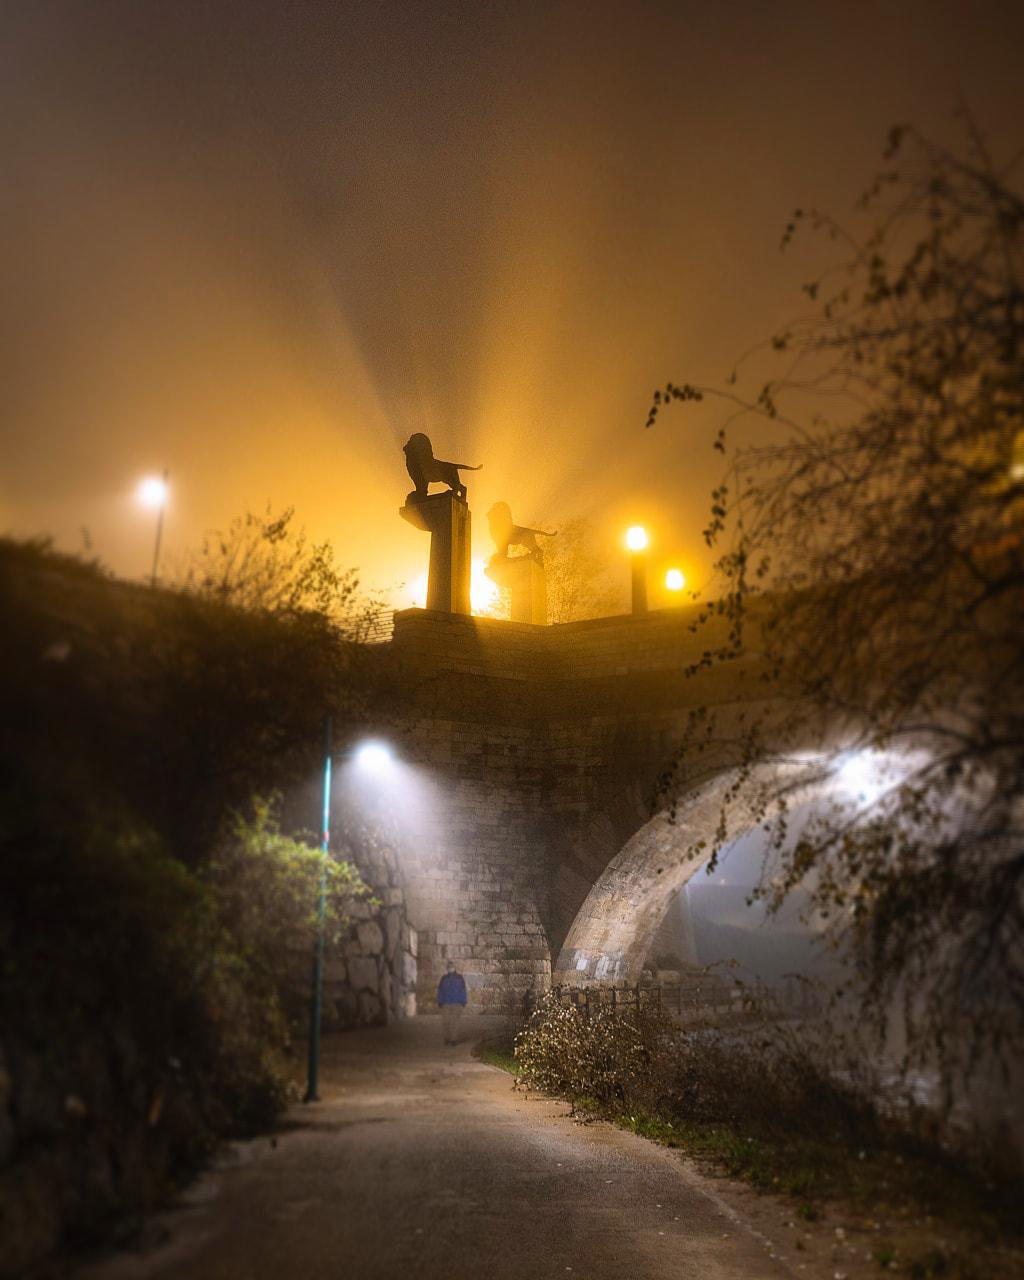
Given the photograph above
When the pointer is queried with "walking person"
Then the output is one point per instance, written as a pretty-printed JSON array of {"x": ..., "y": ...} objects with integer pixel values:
[{"x": 451, "y": 998}]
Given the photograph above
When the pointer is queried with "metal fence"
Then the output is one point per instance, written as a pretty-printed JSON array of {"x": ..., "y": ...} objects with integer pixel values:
[
  {"x": 708, "y": 998},
  {"x": 375, "y": 627}
]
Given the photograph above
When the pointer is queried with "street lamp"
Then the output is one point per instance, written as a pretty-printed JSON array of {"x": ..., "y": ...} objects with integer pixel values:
[
  {"x": 675, "y": 580},
  {"x": 636, "y": 541},
  {"x": 152, "y": 493},
  {"x": 371, "y": 757},
  {"x": 317, "y": 994}
]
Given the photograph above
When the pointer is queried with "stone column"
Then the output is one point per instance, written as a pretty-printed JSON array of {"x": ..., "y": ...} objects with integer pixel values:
[
  {"x": 447, "y": 519},
  {"x": 524, "y": 577}
]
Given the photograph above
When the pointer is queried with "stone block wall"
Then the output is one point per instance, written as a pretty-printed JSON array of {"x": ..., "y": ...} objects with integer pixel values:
[
  {"x": 542, "y": 745},
  {"x": 370, "y": 980},
  {"x": 370, "y": 973},
  {"x": 476, "y": 889}
]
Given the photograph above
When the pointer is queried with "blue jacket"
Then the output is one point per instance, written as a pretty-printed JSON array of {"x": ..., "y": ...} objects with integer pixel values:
[{"x": 451, "y": 989}]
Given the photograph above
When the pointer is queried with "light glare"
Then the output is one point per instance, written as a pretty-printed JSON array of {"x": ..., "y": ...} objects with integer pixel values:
[
  {"x": 152, "y": 491},
  {"x": 866, "y": 775},
  {"x": 675, "y": 580},
  {"x": 418, "y": 591},
  {"x": 636, "y": 537},
  {"x": 483, "y": 593},
  {"x": 373, "y": 757}
]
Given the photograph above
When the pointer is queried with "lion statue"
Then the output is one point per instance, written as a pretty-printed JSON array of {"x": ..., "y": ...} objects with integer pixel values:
[
  {"x": 505, "y": 533},
  {"x": 425, "y": 469}
]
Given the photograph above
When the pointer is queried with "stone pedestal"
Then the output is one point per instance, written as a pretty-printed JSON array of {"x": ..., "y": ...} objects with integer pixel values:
[
  {"x": 639, "y": 576},
  {"x": 524, "y": 577},
  {"x": 447, "y": 519}
]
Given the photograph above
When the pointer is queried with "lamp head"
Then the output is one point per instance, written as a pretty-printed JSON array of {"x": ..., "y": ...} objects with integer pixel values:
[
  {"x": 152, "y": 491},
  {"x": 373, "y": 757}
]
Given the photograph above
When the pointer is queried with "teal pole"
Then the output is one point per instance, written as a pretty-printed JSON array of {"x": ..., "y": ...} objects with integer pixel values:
[{"x": 316, "y": 999}]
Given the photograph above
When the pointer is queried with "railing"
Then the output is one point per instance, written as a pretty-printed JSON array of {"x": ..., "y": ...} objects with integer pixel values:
[
  {"x": 695, "y": 1001},
  {"x": 375, "y": 627}
]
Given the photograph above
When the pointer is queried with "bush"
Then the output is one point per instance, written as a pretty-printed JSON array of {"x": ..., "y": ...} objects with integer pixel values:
[
  {"x": 767, "y": 1076},
  {"x": 787, "y": 1107},
  {"x": 614, "y": 1060},
  {"x": 144, "y": 925},
  {"x": 262, "y": 890}
]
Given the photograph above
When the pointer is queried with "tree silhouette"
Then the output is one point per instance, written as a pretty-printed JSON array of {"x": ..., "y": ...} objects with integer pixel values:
[{"x": 876, "y": 534}]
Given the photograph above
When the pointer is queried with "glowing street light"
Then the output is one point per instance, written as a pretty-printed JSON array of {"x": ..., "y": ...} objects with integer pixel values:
[
  {"x": 374, "y": 757},
  {"x": 636, "y": 541},
  {"x": 675, "y": 580},
  {"x": 865, "y": 775},
  {"x": 152, "y": 492}
]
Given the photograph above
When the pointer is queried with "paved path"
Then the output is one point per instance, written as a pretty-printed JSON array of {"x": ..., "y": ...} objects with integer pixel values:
[{"x": 421, "y": 1163}]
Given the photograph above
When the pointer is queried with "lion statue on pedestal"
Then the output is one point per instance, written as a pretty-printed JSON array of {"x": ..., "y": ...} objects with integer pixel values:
[
  {"x": 424, "y": 469},
  {"x": 505, "y": 533}
]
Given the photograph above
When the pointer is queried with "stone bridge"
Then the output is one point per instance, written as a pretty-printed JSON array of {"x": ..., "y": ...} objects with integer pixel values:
[{"x": 533, "y": 754}]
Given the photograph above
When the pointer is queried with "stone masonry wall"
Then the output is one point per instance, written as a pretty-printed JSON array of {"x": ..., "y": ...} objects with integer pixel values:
[
  {"x": 542, "y": 745},
  {"x": 370, "y": 972},
  {"x": 371, "y": 978}
]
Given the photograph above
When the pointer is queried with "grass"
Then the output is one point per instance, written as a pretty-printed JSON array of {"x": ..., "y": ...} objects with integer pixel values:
[
  {"x": 496, "y": 1054},
  {"x": 919, "y": 1210},
  {"x": 907, "y": 1190},
  {"x": 825, "y": 1170}
]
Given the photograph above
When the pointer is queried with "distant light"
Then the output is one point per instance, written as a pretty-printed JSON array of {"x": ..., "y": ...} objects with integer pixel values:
[
  {"x": 865, "y": 775},
  {"x": 675, "y": 580},
  {"x": 373, "y": 757},
  {"x": 152, "y": 492},
  {"x": 418, "y": 591},
  {"x": 636, "y": 537},
  {"x": 483, "y": 593}
]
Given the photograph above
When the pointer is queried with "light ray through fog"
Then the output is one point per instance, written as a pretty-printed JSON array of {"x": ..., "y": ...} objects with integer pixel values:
[
  {"x": 393, "y": 796},
  {"x": 263, "y": 267}
]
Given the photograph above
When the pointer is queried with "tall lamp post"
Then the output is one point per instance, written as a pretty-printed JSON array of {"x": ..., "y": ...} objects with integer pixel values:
[
  {"x": 153, "y": 492},
  {"x": 316, "y": 995},
  {"x": 372, "y": 759},
  {"x": 636, "y": 541}
]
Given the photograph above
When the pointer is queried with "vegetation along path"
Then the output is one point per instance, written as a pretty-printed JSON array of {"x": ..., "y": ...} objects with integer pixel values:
[{"x": 421, "y": 1161}]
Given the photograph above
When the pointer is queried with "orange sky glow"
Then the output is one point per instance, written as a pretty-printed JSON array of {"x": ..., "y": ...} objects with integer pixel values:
[{"x": 260, "y": 246}]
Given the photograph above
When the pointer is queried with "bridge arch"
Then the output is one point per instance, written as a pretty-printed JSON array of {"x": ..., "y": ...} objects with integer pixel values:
[
  {"x": 609, "y": 939},
  {"x": 543, "y": 746}
]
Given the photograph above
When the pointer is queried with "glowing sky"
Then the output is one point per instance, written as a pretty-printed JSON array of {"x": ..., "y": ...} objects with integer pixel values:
[{"x": 260, "y": 244}]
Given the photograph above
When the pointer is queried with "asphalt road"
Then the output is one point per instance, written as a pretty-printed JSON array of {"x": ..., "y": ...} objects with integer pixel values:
[{"x": 421, "y": 1163}]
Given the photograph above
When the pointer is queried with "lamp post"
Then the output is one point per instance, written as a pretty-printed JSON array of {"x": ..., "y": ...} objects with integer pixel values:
[
  {"x": 317, "y": 993},
  {"x": 636, "y": 541},
  {"x": 153, "y": 493},
  {"x": 372, "y": 758}
]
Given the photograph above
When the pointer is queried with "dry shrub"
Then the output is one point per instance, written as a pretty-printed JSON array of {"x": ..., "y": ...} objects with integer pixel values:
[
  {"x": 767, "y": 1076},
  {"x": 614, "y": 1060}
]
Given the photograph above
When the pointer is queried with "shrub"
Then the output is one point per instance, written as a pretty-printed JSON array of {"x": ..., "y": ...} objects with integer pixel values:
[
  {"x": 788, "y": 1107},
  {"x": 144, "y": 925},
  {"x": 262, "y": 889},
  {"x": 615, "y": 1060},
  {"x": 766, "y": 1076}
]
